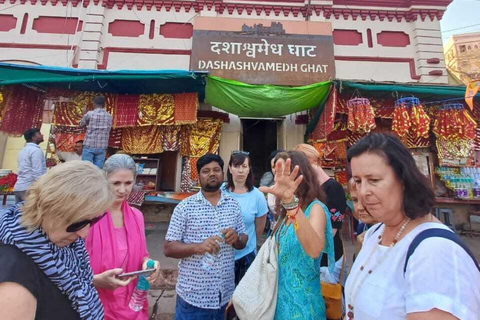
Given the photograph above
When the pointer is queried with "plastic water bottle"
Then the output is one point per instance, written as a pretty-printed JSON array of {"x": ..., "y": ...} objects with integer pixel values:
[
  {"x": 209, "y": 259},
  {"x": 141, "y": 290}
]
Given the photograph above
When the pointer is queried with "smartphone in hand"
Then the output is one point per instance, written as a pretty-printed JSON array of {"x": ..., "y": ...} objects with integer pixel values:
[{"x": 145, "y": 272}]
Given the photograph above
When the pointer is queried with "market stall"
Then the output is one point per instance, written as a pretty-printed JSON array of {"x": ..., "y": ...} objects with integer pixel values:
[
  {"x": 434, "y": 122},
  {"x": 155, "y": 117}
]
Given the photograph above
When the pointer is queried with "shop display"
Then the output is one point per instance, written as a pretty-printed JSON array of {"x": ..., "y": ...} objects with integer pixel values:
[
  {"x": 452, "y": 122},
  {"x": 464, "y": 182},
  {"x": 156, "y": 109},
  {"x": 409, "y": 117},
  {"x": 186, "y": 105},
  {"x": 361, "y": 117},
  {"x": 22, "y": 111}
]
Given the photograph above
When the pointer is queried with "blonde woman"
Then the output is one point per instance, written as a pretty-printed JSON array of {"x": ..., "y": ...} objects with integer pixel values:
[
  {"x": 44, "y": 269},
  {"x": 336, "y": 204}
]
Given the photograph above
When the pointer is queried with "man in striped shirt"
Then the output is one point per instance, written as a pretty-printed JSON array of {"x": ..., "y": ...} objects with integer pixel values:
[{"x": 98, "y": 123}]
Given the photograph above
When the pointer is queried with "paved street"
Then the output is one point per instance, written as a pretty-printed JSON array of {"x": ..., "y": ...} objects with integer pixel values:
[{"x": 165, "y": 285}]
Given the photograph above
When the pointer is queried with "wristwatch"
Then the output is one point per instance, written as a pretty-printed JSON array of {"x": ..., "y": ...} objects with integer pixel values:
[{"x": 291, "y": 205}]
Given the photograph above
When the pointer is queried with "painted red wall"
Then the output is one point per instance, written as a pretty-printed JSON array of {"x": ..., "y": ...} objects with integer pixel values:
[{"x": 58, "y": 25}]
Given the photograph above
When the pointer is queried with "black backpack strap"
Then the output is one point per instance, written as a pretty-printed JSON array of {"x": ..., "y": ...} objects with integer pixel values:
[{"x": 440, "y": 233}]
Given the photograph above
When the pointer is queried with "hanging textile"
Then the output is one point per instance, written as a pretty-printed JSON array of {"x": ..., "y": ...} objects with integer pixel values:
[
  {"x": 341, "y": 177},
  {"x": 453, "y": 122},
  {"x": 146, "y": 140},
  {"x": 171, "y": 138},
  {"x": 193, "y": 169},
  {"x": 186, "y": 105},
  {"x": 201, "y": 138},
  {"x": 156, "y": 109},
  {"x": 126, "y": 111},
  {"x": 263, "y": 101},
  {"x": 185, "y": 183},
  {"x": 2, "y": 103},
  {"x": 66, "y": 141},
  {"x": 326, "y": 123},
  {"x": 67, "y": 114},
  {"x": 477, "y": 139},
  {"x": 454, "y": 149},
  {"x": 23, "y": 110},
  {"x": 115, "y": 138},
  {"x": 361, "y": 117},
  {"x": 409, "y": 116},
  {"x": 72, "y": 105}
]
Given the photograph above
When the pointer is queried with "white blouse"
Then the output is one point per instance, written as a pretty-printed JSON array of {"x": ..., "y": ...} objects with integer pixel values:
[{"x": 440, "y": 274}]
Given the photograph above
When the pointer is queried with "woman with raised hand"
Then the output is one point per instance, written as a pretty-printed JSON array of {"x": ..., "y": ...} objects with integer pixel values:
[
  {"x": 337, "y": 204},
  {"x": 411, "y": 266},
  {"x": 304, "y": 236},
  {"x": 44, "y": 269},
  {"x": 253, "y": 205},
  {"x": 117, "y": 244}
]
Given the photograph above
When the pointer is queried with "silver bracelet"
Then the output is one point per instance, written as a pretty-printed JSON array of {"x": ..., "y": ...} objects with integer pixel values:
[{"x": 292, "y": 205}]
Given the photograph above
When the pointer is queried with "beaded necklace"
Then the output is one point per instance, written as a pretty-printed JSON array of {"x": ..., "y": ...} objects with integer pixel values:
[{"x": 356, "y": 288}]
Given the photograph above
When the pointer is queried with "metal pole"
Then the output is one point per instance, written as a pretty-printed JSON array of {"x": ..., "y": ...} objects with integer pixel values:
[{"x": 307, "y": 18}]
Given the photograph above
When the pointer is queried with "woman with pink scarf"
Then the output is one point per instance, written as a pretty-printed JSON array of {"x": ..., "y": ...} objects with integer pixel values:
[{"x": 116, "y": 245}]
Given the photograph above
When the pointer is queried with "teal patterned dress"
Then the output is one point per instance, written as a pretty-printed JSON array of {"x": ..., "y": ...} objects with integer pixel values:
[{"x": 299, "y": 292}]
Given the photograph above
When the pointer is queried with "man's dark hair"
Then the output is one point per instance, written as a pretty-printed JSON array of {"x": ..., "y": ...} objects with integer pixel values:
[
  {"x": 206, "y": 159},
  {"x": 81, "y": 141},
  {"x": 418, "y": 197},
  {"x": 99, "y": 101},
  {"x": 28, "y": 135},
  {"x": 238, "y": 159}
]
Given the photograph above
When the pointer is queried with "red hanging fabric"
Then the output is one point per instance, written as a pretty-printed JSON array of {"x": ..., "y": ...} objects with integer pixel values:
[
  {"x": 23, "y": 110},
  {"x": 186, "y": 105},
  {"x": 126, "y": 112}
]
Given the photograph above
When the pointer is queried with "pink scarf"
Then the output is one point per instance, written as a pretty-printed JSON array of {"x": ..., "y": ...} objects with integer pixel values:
[{"x": 102, "y": 247}]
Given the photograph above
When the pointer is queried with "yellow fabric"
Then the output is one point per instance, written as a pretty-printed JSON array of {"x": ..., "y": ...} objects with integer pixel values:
[
  {"x": 156, "y": 109},
  {"x": 145, "y": 140},
  {"x": 201, "y": 138}
]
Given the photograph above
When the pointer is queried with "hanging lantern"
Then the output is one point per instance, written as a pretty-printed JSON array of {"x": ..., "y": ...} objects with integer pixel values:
[
  {"x": 452, "y": 122},
  {"x": 361, "y": 116},
  {"x": 409, "y": 117}
]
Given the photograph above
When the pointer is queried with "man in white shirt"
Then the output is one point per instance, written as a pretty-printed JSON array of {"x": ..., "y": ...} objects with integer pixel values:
[
  {"x": 31, "y": 163},
  {"x": 70, "y": 156}
]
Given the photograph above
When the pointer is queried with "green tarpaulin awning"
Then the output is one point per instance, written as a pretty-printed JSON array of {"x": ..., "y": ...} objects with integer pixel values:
[
  {"x": 422, "y": 90},
  {"x": 263, "y": 101},
  {"x": 122, "y": 81}
]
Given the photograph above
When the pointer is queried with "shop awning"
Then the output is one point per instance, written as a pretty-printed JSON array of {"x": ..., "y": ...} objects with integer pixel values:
[
  {"x": 122, "y": 81},
  {"x": 419, "y": 89},
  {"x": 263, "y": 101}
]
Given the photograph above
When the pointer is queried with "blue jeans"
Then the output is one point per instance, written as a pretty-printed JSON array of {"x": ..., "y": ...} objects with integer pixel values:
[
  {"x": 95, "y": 156},
  {"x": 185, "y": 311}
]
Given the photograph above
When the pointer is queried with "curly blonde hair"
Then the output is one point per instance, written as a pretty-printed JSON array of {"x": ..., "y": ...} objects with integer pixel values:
[{"x": 67, "y": 193}]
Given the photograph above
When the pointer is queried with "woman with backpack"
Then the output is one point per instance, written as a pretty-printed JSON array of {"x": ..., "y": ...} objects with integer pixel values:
[{"x": 411, "y": 266}]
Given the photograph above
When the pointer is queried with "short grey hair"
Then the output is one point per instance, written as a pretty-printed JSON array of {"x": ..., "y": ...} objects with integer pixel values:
[{"x": 120, "y": 162}]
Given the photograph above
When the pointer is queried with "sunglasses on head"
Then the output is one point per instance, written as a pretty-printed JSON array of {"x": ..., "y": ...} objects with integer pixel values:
[
  {"x": 77, "y": 226},
  {"x": 245, "y": 153}
]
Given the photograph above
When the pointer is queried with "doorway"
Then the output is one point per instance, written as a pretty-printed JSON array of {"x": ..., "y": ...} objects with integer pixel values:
[{"x": 260, "y": 139}]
